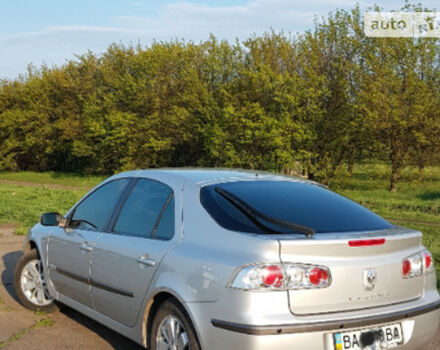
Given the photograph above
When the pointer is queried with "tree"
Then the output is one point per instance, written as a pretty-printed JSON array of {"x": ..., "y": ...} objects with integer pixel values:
[
  {"x": 330, "y": 64},
  {"x": 311, "y": 103},
  {"x": 393, "y": 98}
]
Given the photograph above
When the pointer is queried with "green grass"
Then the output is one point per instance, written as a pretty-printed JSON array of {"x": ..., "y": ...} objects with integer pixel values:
[
  {"x": 53, "y": 178},
  {"x": 22, "y": 205},
  {"x": 413, "y": 200}
]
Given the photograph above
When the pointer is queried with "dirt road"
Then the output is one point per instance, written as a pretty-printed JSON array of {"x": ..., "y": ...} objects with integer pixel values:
[{"x": 66, "y": 329}]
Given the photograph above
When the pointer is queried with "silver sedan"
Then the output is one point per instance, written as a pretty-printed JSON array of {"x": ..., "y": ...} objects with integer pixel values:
[{"x": 215, "y": 259}]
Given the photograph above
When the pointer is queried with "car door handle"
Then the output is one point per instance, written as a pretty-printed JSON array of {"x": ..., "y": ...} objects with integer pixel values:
[
  {"x": 144, "y": 260},
  {"x": 86, "y": 248}
]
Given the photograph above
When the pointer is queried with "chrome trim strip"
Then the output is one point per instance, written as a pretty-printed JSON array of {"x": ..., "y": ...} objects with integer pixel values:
[{"x": 325, "y": 326}]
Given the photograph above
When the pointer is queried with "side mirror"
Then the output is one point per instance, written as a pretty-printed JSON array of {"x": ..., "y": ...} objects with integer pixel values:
[{"x": 52, "y": 219}]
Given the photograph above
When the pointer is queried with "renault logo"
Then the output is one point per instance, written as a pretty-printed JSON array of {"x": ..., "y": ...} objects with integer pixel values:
[{"x": 370, "y": 279}]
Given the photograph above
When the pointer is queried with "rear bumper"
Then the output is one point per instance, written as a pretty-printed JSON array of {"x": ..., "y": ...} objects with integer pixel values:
[
  {"x": 420, "y": 325},
  {"x": 326, "y": 326}
]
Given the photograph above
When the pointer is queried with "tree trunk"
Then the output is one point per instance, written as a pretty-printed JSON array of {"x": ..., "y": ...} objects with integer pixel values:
[
  {"x": 396, "y": 164},
  {"x": 311, "y": 174},
  {"x": 421, "y": 171},
  {"x": 304, "y": 173},
  {"x": 394, "y": 178},
  {"x": 350, "y": 168}
]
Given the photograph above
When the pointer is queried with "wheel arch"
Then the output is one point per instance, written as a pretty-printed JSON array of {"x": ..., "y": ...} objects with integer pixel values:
[
  {"x": 30, "y": 245},
  {"x": 153, "y": 305},
  {"x": 37, "y": 238},
  {"x": 33, "y": 243}
]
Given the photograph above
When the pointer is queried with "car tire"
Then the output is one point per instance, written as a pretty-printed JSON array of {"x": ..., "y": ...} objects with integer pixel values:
[
  {"x": 30, "y": 284},
  {"x": 169, "y": 316}
]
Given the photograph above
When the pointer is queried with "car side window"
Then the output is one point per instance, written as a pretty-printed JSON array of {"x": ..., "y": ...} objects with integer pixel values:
[
  {"x": 95, "y": 210},
  {"x": 165, "y": 229},
  {"x": 148, "y": 211}
]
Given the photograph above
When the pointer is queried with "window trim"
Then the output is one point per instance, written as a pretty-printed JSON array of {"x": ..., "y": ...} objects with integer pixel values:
[
  {"x": 123, "y": 201},
  {"x": 121, "y": 196},
  {"x": 160, "y": 216}
]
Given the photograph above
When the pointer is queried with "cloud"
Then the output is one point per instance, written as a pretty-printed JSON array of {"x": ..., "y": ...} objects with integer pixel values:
[
  {"x": 182, "y": 20},
  {"x": 196, "y": 21},
  {"x": 175, "y": 19},
  {"x": 65, "y": 29}
]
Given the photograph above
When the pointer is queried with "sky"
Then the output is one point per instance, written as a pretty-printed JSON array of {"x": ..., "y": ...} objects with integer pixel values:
[{"x": 54, "y": 31}]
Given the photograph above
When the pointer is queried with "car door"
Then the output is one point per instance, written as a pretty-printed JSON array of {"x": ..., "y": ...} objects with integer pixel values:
[
  {"x": 125, "y": 260},
  {"x": 70, "y": 248}
]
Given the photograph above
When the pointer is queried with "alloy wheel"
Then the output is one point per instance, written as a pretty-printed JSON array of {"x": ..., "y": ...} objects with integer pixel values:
[
  {"x": 172, "y": 335},
  {"x": 33, "y": 283}
]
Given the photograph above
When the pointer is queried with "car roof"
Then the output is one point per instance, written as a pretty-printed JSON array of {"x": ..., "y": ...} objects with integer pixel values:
[{"x": 208, "y": 176}]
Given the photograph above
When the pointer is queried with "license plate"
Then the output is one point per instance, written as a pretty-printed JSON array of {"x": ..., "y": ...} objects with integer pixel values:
[{"x": 375, "y": 338}]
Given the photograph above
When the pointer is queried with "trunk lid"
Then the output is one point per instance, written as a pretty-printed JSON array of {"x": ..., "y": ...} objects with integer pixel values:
[{"x": 348, "y": 266}]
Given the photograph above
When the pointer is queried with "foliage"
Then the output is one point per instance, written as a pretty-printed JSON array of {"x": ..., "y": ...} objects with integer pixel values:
[{"x": 313, "y": 104}]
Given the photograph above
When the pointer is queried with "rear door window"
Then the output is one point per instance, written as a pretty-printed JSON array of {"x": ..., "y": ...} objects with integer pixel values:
[
  {"x": 165, "y": 228},
  {"x": 148, "y": 211},
  {"x": 299, "y": 203}
]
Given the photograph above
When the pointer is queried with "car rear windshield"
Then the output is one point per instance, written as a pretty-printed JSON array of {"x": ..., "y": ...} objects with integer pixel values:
[{"x": 299, "y": 203}]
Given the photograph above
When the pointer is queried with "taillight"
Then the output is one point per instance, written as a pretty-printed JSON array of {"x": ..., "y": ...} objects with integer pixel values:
[
  {"x": 406, "y": 268},
  {"x": 429, "y": 264},
  {"x": 428, "y": 260},
  {"x": 417, "y": 264},
  {"x": 317, "y": 276},
  {"x": 281, "y": 277},
  {"x": 272, "y": 276}
]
